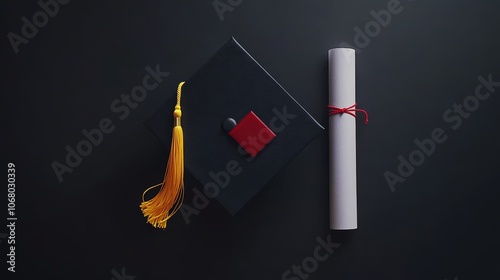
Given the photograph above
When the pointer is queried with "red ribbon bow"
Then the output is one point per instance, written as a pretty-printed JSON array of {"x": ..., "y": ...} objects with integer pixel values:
[{"x": 351, "y": 110}]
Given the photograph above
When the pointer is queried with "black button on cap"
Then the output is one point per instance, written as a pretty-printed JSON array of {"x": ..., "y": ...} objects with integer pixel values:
[{"x": 228, "y": 124}]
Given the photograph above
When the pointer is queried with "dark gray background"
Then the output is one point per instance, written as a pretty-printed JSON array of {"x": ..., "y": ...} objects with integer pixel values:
[{"x": 441, "y": 223}]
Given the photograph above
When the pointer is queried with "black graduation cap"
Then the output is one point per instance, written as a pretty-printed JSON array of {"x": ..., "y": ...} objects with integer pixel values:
[{"x": 240, "y": 126}]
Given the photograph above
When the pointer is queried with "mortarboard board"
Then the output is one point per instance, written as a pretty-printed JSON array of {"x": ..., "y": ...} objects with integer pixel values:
[{"x": 240, "y": 126}]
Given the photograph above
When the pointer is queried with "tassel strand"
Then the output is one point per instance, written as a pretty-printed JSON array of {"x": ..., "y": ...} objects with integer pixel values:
[{"x": 171, "y": 195}]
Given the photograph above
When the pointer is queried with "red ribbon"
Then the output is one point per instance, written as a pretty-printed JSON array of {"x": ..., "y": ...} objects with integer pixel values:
[{"x": 351, "y": 110}]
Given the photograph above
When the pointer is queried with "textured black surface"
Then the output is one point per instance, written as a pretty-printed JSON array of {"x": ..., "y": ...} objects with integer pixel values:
[{"x": 440, "y": 223}]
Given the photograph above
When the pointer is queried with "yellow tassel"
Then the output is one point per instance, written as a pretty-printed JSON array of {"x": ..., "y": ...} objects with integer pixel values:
[{"x": 171, "y": 195}]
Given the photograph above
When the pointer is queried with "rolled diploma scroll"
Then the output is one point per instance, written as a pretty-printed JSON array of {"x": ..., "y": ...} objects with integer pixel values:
[{"x": 342, "y": 140}]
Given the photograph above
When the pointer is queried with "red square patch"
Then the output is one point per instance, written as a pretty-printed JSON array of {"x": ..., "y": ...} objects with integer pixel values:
[{"x": 252, "y": 134}]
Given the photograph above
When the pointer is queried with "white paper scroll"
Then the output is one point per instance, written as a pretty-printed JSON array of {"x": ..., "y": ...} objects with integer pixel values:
[{"x": 342, "y": 134}]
